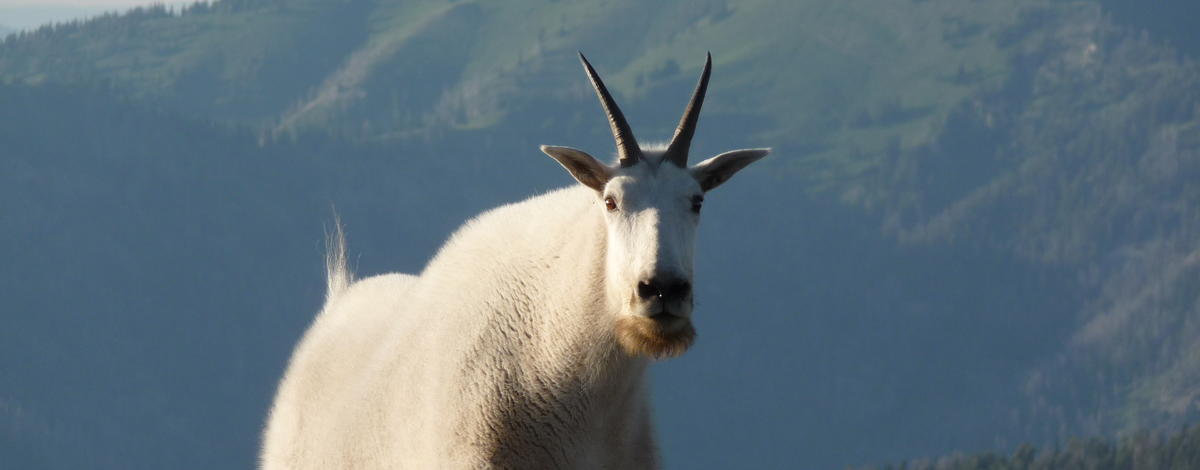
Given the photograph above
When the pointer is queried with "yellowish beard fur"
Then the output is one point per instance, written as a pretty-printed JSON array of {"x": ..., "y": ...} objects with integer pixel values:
[{"x": 641, "y": 336}]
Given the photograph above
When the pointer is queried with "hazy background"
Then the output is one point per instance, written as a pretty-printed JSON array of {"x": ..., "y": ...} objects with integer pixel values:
[
  {"x": 16, "y": 15},
  {"x": 979, "y": 226}
]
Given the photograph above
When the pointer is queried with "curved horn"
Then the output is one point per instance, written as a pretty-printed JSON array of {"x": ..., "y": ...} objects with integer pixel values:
[
  {"x": 677, "y": 151},
  {"x": 627, "y": 146}
]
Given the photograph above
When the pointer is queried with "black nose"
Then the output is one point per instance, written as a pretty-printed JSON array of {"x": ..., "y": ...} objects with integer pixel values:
[{"x": 665, "y": 288}]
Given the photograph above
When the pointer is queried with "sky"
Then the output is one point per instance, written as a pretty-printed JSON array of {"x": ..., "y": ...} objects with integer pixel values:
[{"x": 21, "y": 14}]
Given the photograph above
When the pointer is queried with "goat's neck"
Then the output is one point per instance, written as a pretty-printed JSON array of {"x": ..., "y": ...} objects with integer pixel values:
[{"x": 613, "y": 378}]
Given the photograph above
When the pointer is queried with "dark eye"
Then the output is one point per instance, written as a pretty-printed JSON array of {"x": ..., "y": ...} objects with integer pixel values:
[
  {"x": 697, "y": 201},
  {"x": 610, "y": 204}
]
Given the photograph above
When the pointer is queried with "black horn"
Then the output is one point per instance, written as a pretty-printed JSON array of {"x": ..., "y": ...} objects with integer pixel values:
[
  {"x": 627, "y": 146},
  {"x": 677, "y": 151}
]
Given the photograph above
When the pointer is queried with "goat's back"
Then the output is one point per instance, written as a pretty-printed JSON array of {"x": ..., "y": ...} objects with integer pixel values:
[{"x": 319, "y": 408}]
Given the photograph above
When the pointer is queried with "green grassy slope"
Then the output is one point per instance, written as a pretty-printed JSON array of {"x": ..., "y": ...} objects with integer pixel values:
[
  {"x": 230, "y": 60},
  {"x": 1087, "y": 158},
  {"x": 821, "y": 77}
]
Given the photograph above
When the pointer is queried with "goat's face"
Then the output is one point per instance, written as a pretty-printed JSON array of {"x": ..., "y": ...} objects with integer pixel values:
[
  {"x": 651, "y": 204},
  {"x": 651, "y": 212}
]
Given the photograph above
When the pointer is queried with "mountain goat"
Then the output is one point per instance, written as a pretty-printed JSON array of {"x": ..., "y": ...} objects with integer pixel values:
[{"x": 525, "y": 340}]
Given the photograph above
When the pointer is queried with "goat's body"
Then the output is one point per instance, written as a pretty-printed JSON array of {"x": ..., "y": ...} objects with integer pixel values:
[
  {"x": 499, "y": 355},
  {"x": 524, "y": 342}
]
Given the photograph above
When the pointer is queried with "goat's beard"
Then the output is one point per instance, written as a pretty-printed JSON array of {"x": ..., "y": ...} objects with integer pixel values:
[{"x": 643, "y": 336}]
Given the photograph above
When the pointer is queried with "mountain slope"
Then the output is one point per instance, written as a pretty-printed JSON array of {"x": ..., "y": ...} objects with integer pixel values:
[
  {"x": 158, "y": 270},
  {"x": 1177, "y": 450},
  {"x": 1094, "y": 155},
  {"x": 394, "y": 68}
]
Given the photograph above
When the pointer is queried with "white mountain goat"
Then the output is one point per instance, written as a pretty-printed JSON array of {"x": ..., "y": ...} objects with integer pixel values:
[{"x": 524, "y": 343}]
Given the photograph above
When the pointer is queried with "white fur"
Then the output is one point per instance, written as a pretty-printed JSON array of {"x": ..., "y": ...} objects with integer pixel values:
[
  {"x": 523, "y": 343},
  {"x": 498, "y": 355}
]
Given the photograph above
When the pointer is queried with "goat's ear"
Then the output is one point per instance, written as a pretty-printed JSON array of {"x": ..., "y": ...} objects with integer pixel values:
[
  {"x": 585, "y": 168},
  {"x": 716, "y": 170}
]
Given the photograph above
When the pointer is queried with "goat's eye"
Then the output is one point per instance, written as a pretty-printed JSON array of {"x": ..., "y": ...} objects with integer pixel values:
[
  {"x": 610, "y": 204},
  {"x": 697, "y": 201}
]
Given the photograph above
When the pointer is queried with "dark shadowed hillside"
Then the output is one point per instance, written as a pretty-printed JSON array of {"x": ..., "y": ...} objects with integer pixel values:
[
  {"x": 1179, "y": 450},
  {"x": 978, "y": 227}
]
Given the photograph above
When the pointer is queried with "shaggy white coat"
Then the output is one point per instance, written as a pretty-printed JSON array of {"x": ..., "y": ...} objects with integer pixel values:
[{"x": 499, "y": 355}]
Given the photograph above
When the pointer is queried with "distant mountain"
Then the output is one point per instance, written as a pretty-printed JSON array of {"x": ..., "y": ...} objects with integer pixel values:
[
  {"x": 978, "y": 227},
  {"x": 159, "y": 269},
  {"x": 1167, "y": 20},
  {"x": 30, "y": 15},
  {"x": 1180, "y": 449},
  {"x": 1087, "y": 160},
  {"x": 382, "y": 70}
]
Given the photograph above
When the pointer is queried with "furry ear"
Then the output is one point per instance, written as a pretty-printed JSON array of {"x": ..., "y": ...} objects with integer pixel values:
[
  {"x": 585, "y": 168},
  {"x": 716, "y": 170}
]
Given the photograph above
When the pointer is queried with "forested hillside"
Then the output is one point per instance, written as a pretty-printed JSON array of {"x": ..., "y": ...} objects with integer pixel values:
[
  {"x": 978, "y": 228},
  {"x": 1174, "y": 451}
]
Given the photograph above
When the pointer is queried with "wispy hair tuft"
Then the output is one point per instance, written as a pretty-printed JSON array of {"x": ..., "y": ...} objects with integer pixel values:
[{"x": 337, "y": 272}]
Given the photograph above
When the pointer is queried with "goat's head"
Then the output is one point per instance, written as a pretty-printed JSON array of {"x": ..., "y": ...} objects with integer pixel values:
[{"x": 651, "y": 201}]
